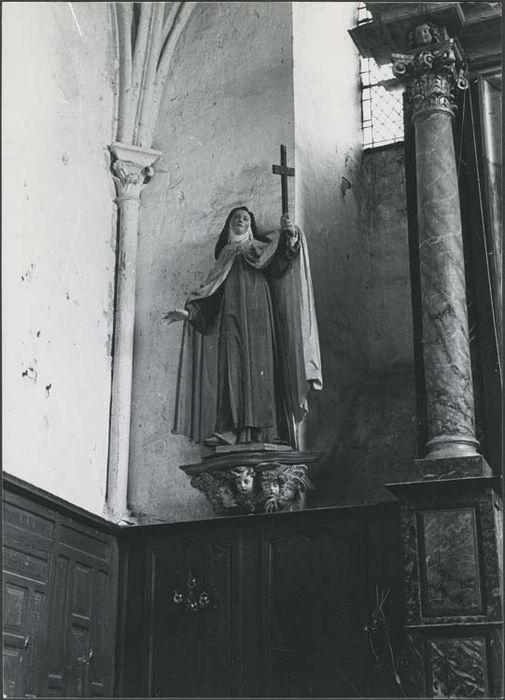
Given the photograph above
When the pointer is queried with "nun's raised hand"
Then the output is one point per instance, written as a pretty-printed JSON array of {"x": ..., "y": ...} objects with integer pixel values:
[{"x": 176, "y": 315}]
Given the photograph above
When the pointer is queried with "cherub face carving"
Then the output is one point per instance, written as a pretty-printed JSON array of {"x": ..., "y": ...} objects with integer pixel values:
[
  {"x": 423, "y": 35},
  {"x": 244, "y": 480},
  {"x": 225, "y": 495},
  {"x": 271, "y": 488}
]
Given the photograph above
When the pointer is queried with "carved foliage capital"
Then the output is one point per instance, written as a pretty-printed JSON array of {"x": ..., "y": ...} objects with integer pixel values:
[
  {"x": 432, "y": 74},
  {"x": 130, "y": 178}
]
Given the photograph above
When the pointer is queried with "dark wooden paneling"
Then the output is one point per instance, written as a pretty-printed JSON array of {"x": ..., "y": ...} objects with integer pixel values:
[
  {"x": 290, "y": 594},
  {"x": 314, "y": 616},
  {"x": 202, "y": 646},
  {"x": 60, "y": 590},
  {"x": 25, "y": 622},
  {"x": 321, "y": 574}
]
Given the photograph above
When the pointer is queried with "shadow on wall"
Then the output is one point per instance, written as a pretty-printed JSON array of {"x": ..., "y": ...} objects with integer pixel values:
[{"x": 376, "y": 444}]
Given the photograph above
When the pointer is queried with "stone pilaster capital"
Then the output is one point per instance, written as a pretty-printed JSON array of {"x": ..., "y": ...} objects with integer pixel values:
[
  {"x": 131, "y": 169},
  {"x": 432, "y": 73}
]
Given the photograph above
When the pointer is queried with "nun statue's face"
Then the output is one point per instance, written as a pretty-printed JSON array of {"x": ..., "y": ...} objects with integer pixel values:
[{"x": 240, "y": 222}]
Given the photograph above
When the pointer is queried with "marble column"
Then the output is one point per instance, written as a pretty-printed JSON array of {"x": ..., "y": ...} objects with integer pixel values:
[
  {"x": 449, "y": 505},
  {"x": 432, "y": 75},
  {"x": 131, "y": 168}
]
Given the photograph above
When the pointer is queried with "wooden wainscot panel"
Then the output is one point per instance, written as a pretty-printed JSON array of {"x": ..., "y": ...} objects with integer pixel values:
[
  {"x": 289, "y": 598},
  {"x": 199, "y": 641},
  {"x": 60, "y": 597}
]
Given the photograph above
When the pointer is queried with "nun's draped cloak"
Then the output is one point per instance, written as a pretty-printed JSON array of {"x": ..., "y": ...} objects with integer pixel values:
[{"x": 250, "y": 350}]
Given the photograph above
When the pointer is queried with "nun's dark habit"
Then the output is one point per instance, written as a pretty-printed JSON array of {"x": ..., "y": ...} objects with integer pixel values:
[{"x": 250, "y": 350}]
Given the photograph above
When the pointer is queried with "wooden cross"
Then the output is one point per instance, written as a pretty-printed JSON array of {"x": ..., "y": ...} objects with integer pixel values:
[{"x": 284, "y": 172}]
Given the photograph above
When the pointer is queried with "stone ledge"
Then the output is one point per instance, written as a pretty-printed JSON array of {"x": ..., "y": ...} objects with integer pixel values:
[{"x": 250, "y": 458}]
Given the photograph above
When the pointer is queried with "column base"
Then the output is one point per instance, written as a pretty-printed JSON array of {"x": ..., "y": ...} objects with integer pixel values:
[
  {"x": 450, "y": 446},
  {"x": 463, "y": 467}
]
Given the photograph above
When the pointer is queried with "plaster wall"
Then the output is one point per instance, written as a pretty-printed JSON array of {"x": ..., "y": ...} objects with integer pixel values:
[
  {"x": 352, "y": 206},
  {"x": 377, "y": 439},
  {"x": 58, "y": 246},
  {"x": 227, "y": 106},
  {"x": 376, "y": 443},
  {"x": 328, "y": 199},
  {"x": 388, "y": 305}
]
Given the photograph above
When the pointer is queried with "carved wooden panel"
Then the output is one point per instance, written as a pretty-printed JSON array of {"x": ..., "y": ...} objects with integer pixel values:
[
  {"x": 290, "y": 595},
  {"x": 24, "y": 633},
  {"x": 320, "y": 577},
  {"x": 26, "y": 572},
  {"x": 56, "y": 653},
  {"x": 312, "y": 605},
  {"x": 59, "y": 601},
  {"x": 201, "y": 646}
]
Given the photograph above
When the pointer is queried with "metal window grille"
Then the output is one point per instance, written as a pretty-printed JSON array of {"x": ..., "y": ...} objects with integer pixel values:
[
  {"x": 381, "y": 104},
  {"x": 381, "y": 98}
]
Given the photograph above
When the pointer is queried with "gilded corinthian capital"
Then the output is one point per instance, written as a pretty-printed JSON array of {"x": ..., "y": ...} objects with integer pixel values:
[{"x": 432, "y": 70}]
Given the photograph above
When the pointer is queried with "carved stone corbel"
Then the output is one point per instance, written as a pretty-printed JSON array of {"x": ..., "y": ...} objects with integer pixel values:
[{"x": 265, "y": 487}]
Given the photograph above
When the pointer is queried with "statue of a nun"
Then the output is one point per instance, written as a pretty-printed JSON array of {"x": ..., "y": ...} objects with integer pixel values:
[{"x": 250, "y": 347}]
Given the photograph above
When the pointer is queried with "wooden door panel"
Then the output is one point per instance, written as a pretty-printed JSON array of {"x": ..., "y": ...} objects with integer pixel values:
[
  {"x": 81, "y": 592},
  {"x": 12, "y": 666},
  {"x": 15, "y": 607},
  {"x": 100, "y": 655},
  {"x": 24, "y": 635},
  {"x": 59, "y": 601},
  {"x": 26, "y": 564},
  {"x": 88, "y": 543},
  {"x": 15, "y": 600},
  {"x": 193, "y": 653},
  {"x": 26, "y": 521},
  {"x": 321, "y": 574},
  {"x": 26, "y": 572},
  {"x": 79, "y": 619},
  {"x": 54, "y": 679},
  {"x": 291, "y": 594},
  {"x": 313, "y": 614},
  {"x": 77, "y": 669}
]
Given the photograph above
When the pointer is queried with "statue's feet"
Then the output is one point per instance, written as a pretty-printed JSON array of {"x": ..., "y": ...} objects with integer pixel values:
[
  {"x": 213, "y": 441},
  {"x": 227, "y": 438}
]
